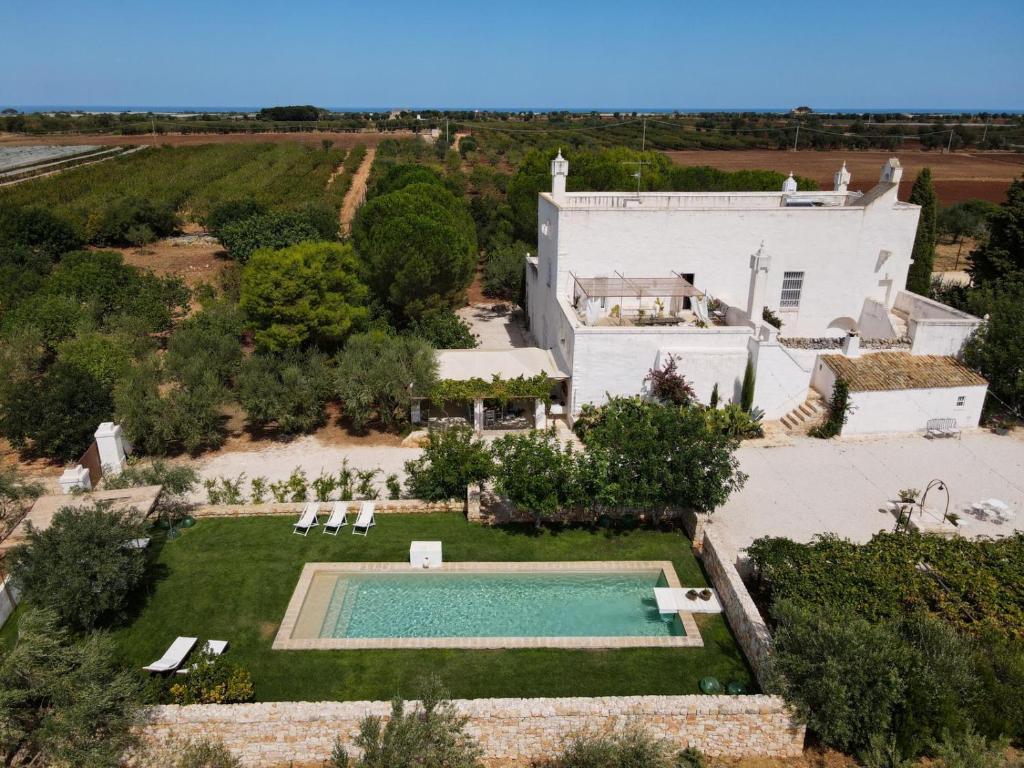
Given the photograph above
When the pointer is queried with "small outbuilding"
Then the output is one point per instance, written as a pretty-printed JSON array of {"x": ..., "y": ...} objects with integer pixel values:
[{"x": 901, "y": 392}]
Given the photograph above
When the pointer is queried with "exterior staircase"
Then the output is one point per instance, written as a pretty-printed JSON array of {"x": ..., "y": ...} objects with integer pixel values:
[
  {"x": 809, "y": 413},
  {"x": 899, "y": 320}
]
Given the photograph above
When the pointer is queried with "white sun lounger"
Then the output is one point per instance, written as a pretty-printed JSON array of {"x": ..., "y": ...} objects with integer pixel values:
[
  {"x": 173, "y": 656},
  {"x": 365, "y": 519},
  {"x": 210, "y": 647},
  {"x": 308, "y": 518},
  {"x": 338, "y": 518}
]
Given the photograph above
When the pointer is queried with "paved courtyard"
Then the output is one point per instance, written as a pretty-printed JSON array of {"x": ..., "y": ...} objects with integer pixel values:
[
  {"x": 840, "y": 486},
  {"x": 497, "y": 325}
]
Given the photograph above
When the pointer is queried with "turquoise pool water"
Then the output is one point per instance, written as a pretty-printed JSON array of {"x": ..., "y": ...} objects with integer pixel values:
[{"x": 550, "y": 604}]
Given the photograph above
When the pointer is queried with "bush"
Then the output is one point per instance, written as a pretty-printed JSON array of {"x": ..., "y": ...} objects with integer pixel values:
[
  {"x": 734, "y": 422},
  {"x": 202, "y": 753},
  {"x": 537, "y": 474},
  {"x": 668, "y": 386},
  {"x": 443, "y": 329},
  {"x": 377, "y": 375},
  {"x": 65, "y": 702},
  {"x": 276, "y": 230},
  {"x": 229, "y": 211},
  {"x": 207, "y": 345},
  {"x": 505, "y": 270},
  {"x": 176, "y": 479},
  {"x": 432, "y": 735},
  {"x": 633, "y": 747},
  {"x": 79, "y": 567},
  {"x": 106, "y": 357},
  {"x": 997, "y": 348},
  {"x": 287, "y": 391},
  {"x": 212, "y": 680},
  {"x": 38, "y": 229},
  {"x": 451, "y": 460},
  {"x": 305, "y": 294},
  {"x": 839, "y": 408},
  {"x": 131, "y": 221}
]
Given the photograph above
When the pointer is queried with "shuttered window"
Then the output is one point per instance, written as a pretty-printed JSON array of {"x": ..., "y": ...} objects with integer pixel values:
[{"x": 792, "y": 286}]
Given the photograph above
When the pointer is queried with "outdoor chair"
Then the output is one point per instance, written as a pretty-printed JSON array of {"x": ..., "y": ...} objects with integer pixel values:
[
  {"x": 364, "y": 522},
  {"x": 308, "y": 519},
  {"x": 338, "y": 518},
  {"x": 173, "y": 656}
]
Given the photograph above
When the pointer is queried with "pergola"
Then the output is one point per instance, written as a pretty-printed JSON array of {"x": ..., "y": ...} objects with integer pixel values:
[{"x": 621, "y": 287}]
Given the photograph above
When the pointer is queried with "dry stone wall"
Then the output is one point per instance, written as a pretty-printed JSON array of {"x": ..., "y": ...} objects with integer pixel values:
[{"x": 512, "y": 732}]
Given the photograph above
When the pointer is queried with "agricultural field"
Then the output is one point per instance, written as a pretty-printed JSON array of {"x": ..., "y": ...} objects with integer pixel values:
[{"x": 189, "y": 180}]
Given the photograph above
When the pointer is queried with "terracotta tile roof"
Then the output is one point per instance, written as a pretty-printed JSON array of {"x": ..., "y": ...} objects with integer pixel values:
[{"x": 880, "y": 371}]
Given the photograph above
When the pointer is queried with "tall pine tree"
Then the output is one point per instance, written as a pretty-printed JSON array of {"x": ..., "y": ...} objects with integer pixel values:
[
  {"x": 919, "y": 279},
  {"x": 1002, "y": 255}
]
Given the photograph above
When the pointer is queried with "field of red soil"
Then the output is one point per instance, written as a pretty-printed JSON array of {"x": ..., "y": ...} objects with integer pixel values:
[
  {"x": 957, "y": 176},
  {"x": 345, "y": 140}
]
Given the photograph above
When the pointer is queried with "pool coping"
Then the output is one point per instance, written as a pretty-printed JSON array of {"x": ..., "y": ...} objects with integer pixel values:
[{"x": 285, "y": 642}]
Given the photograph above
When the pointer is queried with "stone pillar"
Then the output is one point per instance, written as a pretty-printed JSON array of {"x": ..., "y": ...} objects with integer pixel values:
[
  {"x": 478, "y": 414},
  {"x": 760, "y": 263},
  {"x": 416, "y": 414},
  {"x": 75, "y": 479},
  {"x": 540, "y": 414},
  {"x": 110, "y": 445},
  {"x": 473, "y": 503}
]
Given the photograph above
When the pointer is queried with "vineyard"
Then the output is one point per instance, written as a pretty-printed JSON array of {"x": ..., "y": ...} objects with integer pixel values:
[{"x": 190, "y": 180}]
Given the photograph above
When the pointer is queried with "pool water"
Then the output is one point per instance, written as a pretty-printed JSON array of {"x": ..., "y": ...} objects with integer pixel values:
[{"x": 474, "y": 604}]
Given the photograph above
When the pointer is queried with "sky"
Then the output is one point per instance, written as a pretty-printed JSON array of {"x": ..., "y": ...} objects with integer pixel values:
[{"x": 940, "y": 54}]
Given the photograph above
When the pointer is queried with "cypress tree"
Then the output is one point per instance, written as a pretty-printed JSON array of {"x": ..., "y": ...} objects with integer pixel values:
[
  {"x": 747, "y": 391},
  {"x": 919, "y": 279},
  {"x": 1002, "y": 255}
]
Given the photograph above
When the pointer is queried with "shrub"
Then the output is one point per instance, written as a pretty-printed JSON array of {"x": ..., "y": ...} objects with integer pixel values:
[
  {"x": 65, "y": 702},
  {"x": 206, "y": 345},
  {"x": 106, "y": 357},
  {"x": 451, "y": 460},
  {"x": 38, "y": 229},
  {"x": 536, "y": 473},
  {"x": 306, "y": 294},
  {"x": 443, "y": 329},
  {"x": 747, "y": 390},
  {"x": 377, "y": 375},
  {"x": 201, "y": 753},
  {"x": 839, "y": 408},
  {"x": 669, "y": 386},
  {"x": 287, "y": 391},
  {"x": 733, "y": 421},
  {"x": 229, "y": 211},
  {"x": 131, "y": 221},
  {"x": 212, "y": 680},
  {"x": 629, "y": 748},
  {"x": 997, "y": 347},
  {"x": 431, "y": 735},
  {"x": 79, "y": 567},
  {"x": 175, "y": 479},
  {"x": 276, "y": 230},
  {"x": 771, "y": 318}
]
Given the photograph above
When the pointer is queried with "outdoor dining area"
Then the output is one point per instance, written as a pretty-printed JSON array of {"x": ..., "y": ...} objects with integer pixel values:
[{"x": 643, "y": 301}]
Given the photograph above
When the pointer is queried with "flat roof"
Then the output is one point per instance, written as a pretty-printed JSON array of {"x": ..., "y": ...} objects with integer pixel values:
[
  {"x": 885, "y": 371},
  {"x": 466, "y": 364},
  {"x": 142, "y": 498}
]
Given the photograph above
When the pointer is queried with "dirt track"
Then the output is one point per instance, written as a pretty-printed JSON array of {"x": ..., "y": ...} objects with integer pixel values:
[
  {"x": 343, "y": 140},
  {"x": 957, "y": 176},
  {"x": 357, "y": 192}
]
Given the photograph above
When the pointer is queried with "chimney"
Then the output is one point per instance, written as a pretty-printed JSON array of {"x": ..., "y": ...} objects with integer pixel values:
[
  {"x": 760, "y": 262},
  {"x": 789, "y": 185},
  {"x": 892, "y": 172},
  {"x": 841, "y": 179},
  {"x": 559, "y": 172},
  {"x": 851, "y": 344}
]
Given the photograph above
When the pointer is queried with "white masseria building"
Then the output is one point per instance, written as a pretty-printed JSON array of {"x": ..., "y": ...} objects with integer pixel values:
[{"x": 622, "y": 281}]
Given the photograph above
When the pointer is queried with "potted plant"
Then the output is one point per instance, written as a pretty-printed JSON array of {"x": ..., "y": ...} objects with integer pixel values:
[{"x": 1000, "y": 426}]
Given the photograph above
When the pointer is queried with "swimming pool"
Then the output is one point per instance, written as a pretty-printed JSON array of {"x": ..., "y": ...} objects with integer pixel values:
[{"x": 483, "y": 605}]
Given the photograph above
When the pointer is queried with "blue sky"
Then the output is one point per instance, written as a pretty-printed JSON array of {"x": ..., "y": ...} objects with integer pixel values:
[{"x": 381, "y": 53}]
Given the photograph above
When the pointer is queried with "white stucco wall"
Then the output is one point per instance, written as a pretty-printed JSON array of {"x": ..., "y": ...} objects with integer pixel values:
[
  {"x": 9, "y": 595},
  {"x": 908, "y": 410},
  {"x": 934, "y": 328},
  {"x": 847, "y": 253},
  {"x": 782, "y": 376}
]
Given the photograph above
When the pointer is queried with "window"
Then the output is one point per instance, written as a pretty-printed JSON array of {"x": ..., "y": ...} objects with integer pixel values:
[
  {"x": 961, "y": 401},
  {"x": 792, "y": 285}
]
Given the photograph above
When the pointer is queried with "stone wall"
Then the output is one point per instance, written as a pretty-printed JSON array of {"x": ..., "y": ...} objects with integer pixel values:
[
  {"x": 382, "y": 507},
  {"x": 511, "y": 732},
  {"x": 745, "y": 619}
]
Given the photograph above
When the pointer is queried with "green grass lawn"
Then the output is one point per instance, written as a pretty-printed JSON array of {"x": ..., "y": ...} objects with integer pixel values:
[{"x": 232, "y": 579}]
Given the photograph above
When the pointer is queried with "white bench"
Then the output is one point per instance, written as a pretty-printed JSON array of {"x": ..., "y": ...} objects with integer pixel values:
[{"x": 942, "y": 428}]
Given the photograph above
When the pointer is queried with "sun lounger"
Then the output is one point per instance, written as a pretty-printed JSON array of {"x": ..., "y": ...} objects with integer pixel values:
[
  {"x": 365, "y": 520},
  {"x": 174, "y": 656},
  {"x": 338, "y": 518},
  {"x": 308, "y": 518},
  {"x": 210, "y": 648}
]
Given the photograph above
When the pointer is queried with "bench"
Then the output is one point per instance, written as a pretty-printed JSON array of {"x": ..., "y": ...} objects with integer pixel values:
[{"x": 942, "y": 428}]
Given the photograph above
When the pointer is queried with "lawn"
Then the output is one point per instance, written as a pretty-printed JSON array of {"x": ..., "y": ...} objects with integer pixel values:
[{"x": 232, "y": 579}]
